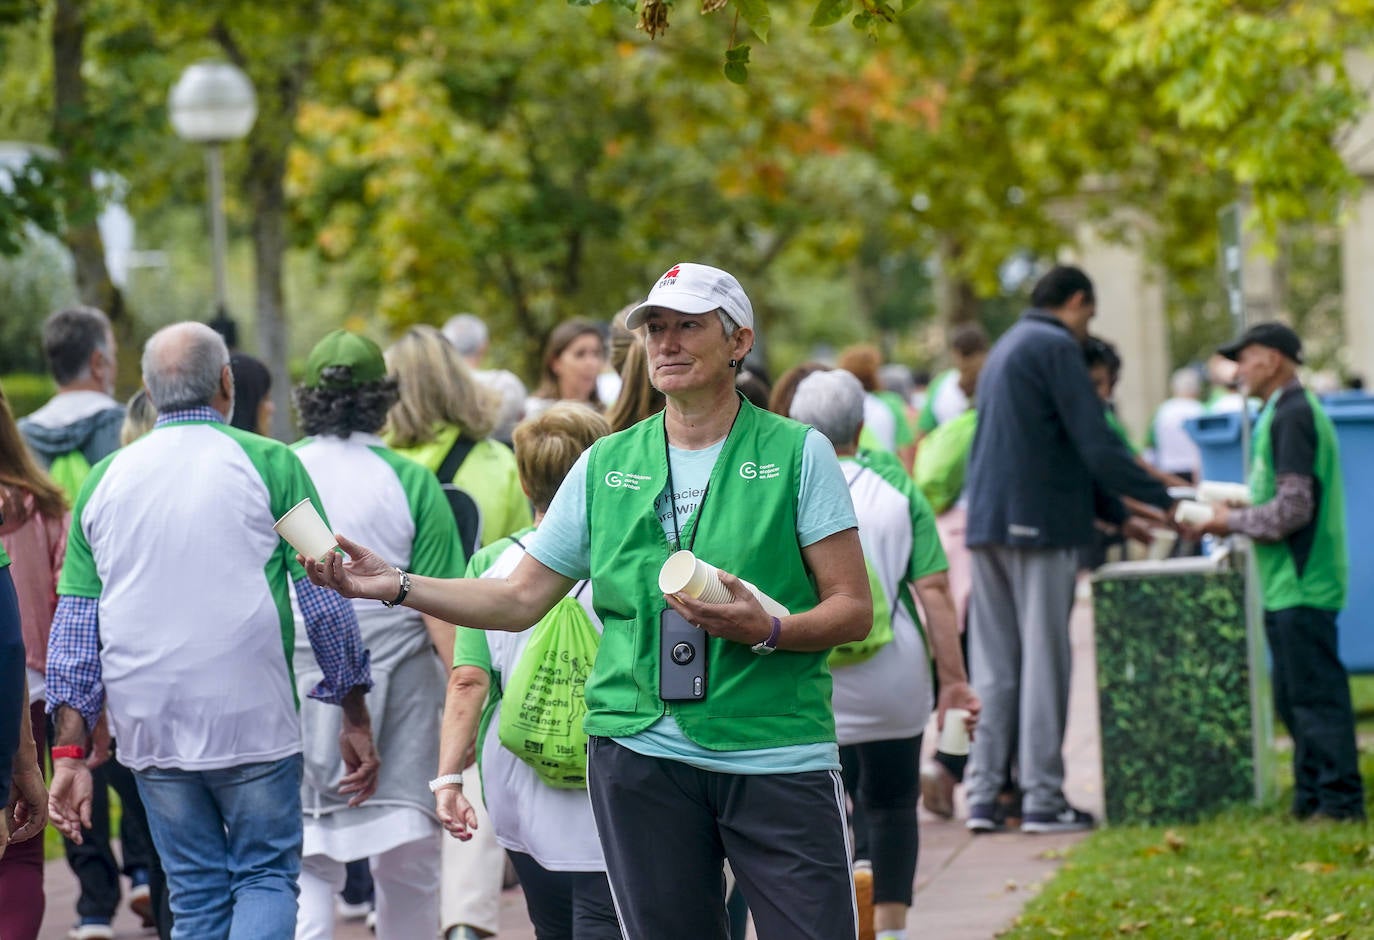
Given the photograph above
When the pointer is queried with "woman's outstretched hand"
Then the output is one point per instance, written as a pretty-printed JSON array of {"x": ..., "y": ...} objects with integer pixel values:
[{"x": 363, "y": 574}]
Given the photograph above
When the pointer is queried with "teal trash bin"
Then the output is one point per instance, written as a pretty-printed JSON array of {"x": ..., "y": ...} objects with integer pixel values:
[
  {"x": 1353, "y": 416},
  {"x": 1218, "y": 440}
]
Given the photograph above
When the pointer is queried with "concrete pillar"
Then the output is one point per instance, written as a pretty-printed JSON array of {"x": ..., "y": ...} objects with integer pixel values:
[
  {"x": 1357, "y": 283},
  {"x": 1357, "y": 238},
  {"x": 1130, "y": 313}
]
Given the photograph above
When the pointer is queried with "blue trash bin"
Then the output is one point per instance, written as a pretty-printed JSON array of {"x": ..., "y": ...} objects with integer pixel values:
[
  {"x": 1218, "y": 439},
  {"x": 1353, "y": 417}
]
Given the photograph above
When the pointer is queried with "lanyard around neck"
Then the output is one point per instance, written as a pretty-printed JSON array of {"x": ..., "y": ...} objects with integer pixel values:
[{"x": 695, "y": 523}]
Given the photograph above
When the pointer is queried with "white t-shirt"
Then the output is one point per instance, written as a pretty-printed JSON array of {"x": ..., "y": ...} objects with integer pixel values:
[
  {"x": 880, "y": 422},
  {"x": 949, "y": 400},
  {"x": 1175, "y": 451},
  {"x": 553, "y": 826},
  {"x": 889, "y": 695},
  {"x": 174, "y": 536}
]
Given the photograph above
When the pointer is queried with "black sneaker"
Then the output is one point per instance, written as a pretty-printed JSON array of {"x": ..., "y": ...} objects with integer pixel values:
[
  {"x": 983, "y": 817},
  {"x": 1066, "y": 820}
]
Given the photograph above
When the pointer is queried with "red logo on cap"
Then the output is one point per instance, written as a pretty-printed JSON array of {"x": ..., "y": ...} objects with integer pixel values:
[{"x": 670, "y": 277}]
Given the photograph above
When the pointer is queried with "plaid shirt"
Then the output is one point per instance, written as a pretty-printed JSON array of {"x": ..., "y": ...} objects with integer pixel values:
[{"x": 74, "y": 677}]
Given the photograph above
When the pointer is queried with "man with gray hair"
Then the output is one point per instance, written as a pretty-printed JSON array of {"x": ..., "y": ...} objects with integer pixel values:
[
  {"x": 80, "y": 424},
  {"x": 468, "y": 334},
  {"x": 1173, "y": 449},
  {"x": 174, "y": 615}
]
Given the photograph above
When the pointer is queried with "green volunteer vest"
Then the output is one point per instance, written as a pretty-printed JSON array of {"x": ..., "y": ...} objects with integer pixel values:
[
  {"x": 1323, "y": 581},
  {"x": 747, "y": 526}
]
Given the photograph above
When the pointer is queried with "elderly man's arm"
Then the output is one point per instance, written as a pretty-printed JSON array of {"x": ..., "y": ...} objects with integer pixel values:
[
  {"x": 332, "y": 629},
  {"x": 76, "y": 697}
]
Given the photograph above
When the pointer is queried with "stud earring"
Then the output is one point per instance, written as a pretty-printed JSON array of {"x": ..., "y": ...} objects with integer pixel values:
[{"x": 734, "y": 363}]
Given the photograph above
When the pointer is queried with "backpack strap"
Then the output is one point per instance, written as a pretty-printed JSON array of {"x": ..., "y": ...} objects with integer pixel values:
[
  {"x": 456, "y": 455},
  {"x": 578, "y": 588}
]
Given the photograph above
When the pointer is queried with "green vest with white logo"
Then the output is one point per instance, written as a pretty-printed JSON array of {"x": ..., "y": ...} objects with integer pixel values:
[
  {"x": 1322, "y": 582},
  {"x": 747, "y": 526}
]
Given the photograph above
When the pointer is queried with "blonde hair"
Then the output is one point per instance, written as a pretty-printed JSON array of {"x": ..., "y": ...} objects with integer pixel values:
[
  {"x": 547, "y": 446},
  {"x": 139, "y": 417},
  {"x": 638, "y": 398},
  {"x": 436, "y": 388}
]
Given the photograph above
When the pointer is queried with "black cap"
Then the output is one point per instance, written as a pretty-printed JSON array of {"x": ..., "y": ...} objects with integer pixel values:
[{"x": 1275, "y": 335}]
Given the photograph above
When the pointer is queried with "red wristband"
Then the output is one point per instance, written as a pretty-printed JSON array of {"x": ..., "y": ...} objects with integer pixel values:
[{"x": 75, "y": 751}]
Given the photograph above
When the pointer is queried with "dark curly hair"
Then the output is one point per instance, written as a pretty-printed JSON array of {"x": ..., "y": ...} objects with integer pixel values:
[{"x": 339, "y": 412}]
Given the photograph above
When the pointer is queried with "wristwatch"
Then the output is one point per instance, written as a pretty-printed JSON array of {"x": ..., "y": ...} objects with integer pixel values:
[
  {"x": 447, "y": 780},
  {"x": 404, "y": 589},
  {"x": 770, "y": 645}
]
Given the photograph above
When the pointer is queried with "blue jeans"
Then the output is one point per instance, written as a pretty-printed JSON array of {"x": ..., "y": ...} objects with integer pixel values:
[{"x": 230, "y": 842}]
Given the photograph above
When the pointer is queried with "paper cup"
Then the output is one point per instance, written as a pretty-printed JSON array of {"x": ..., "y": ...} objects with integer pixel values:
[
  {"x": 1194, "y": 514},
  {"x": 1232, "y": 494},
  {"x": 684, "y": 573},
  {"x": 1162, "y": 542},
  {"x": 306, "y": 532},
  {"x": 954, "y": 735}
]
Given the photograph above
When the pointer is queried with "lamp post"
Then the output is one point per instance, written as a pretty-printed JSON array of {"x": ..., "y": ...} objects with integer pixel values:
[{"x": 213, "y": 103}]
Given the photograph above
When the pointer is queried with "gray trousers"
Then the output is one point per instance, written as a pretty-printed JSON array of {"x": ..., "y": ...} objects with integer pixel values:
[{"x": 1019, "y": 664}]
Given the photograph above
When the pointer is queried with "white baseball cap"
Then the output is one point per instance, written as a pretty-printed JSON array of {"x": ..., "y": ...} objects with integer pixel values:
[{"x": 696, "y": 288}]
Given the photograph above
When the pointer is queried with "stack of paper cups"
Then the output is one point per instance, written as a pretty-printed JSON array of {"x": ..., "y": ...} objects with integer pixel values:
[
  {"x": 1232, "y": 494},
  {"x": 303, "y": 528},
  {"x": 954, "y": 735},
  {"x": 1193, "y": 513},
  {"x": 684, "y": 573}
]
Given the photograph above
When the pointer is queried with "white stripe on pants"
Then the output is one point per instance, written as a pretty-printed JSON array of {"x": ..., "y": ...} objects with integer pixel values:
[
  {"x": 473, "y": 871},
  {"x": 407, "y": 884},
  {"x": 1019, "y": 664}
]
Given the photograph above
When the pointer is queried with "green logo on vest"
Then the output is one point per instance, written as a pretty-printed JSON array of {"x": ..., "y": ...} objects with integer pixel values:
[
  {"x": 749, "y": 470},
  {"x": 618, "y": 479}
]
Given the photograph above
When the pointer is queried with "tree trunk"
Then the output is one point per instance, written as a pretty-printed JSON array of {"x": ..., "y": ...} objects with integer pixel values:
[
  {"x": 71, "y": 134},
  {"x": 955, "y": 299},
  {"x": 268, "y": 144}
]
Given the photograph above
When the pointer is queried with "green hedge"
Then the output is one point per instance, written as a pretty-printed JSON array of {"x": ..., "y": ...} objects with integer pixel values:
[{"x": 27, "y": 391}]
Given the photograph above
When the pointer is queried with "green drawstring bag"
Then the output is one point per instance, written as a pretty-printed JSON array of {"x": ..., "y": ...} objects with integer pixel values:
[
  {"x": 69, "y": 471},
  {"x": 942, "y": 460},
  {"x": 847, "y": 654},
  {"x": 544, "y": 701}
]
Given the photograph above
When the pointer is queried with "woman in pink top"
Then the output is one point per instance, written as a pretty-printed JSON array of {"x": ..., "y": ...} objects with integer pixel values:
[{"x": 34, "y": 534}]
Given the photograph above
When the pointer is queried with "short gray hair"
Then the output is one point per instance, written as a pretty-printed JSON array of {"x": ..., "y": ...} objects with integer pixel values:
[
  {"x": 832, "y": 402},
  {"x": 182, "y": 364},
  {"x": 467, "y": 333},
  {"x": 1186, "y": 383}
]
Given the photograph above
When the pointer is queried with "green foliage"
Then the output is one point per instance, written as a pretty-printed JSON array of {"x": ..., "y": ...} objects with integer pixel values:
[
  {"x": 1246, "y": 872},
  {"x": 33, "y": 283},
  {"x": 1174, "y": 689},
  {"x": 27, "y": 391}
]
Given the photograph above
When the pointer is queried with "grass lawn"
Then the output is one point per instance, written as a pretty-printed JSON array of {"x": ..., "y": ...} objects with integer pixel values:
[{"x": 1249, "y": 872}]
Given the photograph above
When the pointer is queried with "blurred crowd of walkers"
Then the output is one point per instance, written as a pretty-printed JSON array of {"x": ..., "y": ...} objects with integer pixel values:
[{"x": 488, "y": 668}]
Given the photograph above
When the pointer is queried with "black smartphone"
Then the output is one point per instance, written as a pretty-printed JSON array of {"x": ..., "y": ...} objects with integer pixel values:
[{"x": 681, "y": 659}]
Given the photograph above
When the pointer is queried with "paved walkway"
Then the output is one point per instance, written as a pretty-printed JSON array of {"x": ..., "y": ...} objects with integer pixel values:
[{"x": 966, "y": 888}]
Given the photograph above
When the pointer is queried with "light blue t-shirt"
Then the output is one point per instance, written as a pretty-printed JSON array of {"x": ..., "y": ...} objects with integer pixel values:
[{"x": 563, "y": 543}]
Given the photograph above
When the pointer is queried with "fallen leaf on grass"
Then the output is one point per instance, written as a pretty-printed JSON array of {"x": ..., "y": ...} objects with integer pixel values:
[
  {"x": 1175, "y": 841},
  {"x": 1050, "y": 855},
  {"x": 1316, "y": 868},
  {"x": 1333, "y": 918},
  {"x": 1136, "y": 927},
  {"x": 1281, "y": 915},
  {"x": 1304, "y": 934}
]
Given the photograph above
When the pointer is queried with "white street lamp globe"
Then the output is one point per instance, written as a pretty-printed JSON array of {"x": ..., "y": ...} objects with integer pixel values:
[{"x": 212, "y": 102}]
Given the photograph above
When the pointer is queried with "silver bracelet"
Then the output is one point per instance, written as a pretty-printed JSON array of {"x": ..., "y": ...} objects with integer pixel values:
[{"x": 447, "y": 780}]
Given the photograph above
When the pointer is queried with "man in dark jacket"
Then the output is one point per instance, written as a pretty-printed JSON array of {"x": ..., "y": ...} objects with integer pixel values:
[{"x": 1044, "y": 463}]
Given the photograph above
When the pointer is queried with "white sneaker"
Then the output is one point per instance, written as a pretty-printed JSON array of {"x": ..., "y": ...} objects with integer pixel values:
[
  {"x": 91, "y": 932},
  {"x": 348, "y": 911}
]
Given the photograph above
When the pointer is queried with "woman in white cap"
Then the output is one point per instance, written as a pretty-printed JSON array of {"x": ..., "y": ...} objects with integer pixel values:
[{"x": 719, "y": 744}]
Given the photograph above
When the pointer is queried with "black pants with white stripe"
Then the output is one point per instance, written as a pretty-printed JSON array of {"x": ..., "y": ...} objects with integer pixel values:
[{"x": 666, "y": 829}]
